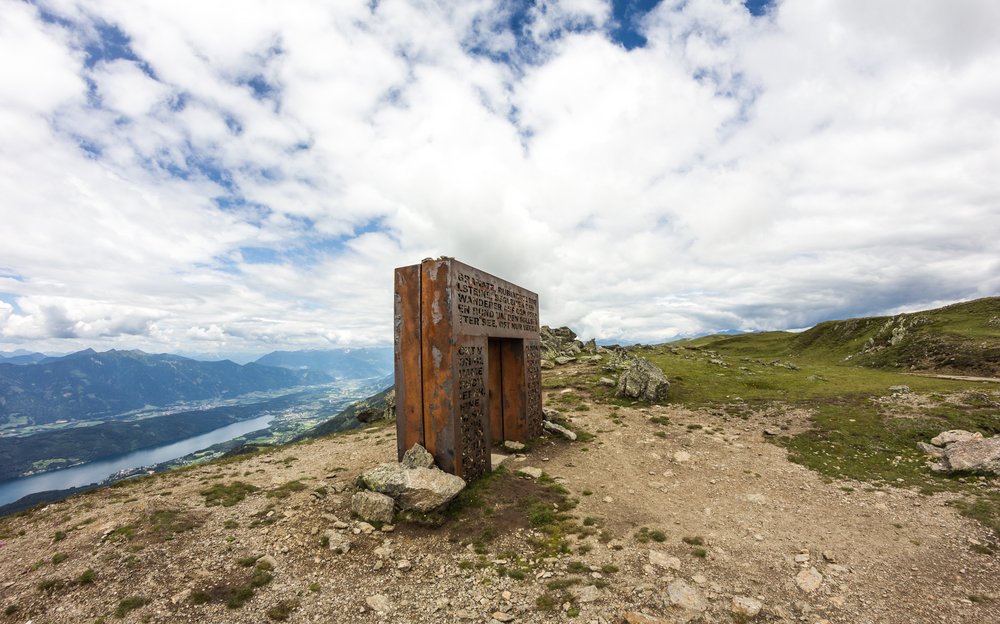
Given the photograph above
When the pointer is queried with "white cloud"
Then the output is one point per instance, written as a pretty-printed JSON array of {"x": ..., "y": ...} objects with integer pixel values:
[{"x": 253, "y": 174}]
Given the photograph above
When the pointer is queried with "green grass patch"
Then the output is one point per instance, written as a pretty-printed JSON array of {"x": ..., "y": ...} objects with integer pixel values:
[
  {"x": 282, "y": 610},
  {"x": 286, "y": 490},
  {"x": 129, "y": 604},
  {"x": 227, "y": 495}
]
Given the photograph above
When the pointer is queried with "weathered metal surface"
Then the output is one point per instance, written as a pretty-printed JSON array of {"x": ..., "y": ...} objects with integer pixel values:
[
  {"x": 496, "y": 388},
  {"x": 438, "y": 346},
  {"x": 475, "y": 375},
  {"x": 532, "y": 389},
  {"x": 473, "y": 451},
  {"x": 409, "y": 382}
]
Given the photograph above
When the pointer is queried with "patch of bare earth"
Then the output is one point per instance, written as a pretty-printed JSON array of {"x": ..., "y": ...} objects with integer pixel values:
[{"x": 882, "y": 556}]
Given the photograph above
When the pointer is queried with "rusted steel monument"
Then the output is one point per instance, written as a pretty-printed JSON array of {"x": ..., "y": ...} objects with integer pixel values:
[{"x": 467, "y": 364}]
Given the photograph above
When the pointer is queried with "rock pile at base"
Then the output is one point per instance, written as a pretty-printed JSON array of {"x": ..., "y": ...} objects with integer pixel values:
[{"x": 414, "y": 484}]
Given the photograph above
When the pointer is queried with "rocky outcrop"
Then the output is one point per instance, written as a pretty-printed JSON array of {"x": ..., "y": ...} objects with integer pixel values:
[
  {"x": 981, "y": 455},
  {"x": 412, "y": 484},
  {"x": 560, "y": 341},
  {"x": 619, "y": 359},
  {"x": 955, "y": 435},
  {"x": 964, "y": 451},
  {"x": 369, "y": 415},
  {"x": 643, "y": 381}
]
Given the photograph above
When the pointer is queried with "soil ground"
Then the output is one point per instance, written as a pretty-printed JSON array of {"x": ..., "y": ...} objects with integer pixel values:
[{"x": 884, "y": 555}]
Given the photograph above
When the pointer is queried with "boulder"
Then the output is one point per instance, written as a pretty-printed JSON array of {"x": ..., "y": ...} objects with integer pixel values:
[
  {"x": 976, "y": 455},
  {"x": 644, "y": 381},
  {"x": 619, "y": 359},
  {"x": 955, "y": 435},
  {"x": 590, "y": 346},
  {"x": 373, "y": 506},
  {"x": 417, "y": 457},
  {"x": 928, "y": 449},
  {"x": 556, "y": 341},
  {"x": 417, "y": 489}
]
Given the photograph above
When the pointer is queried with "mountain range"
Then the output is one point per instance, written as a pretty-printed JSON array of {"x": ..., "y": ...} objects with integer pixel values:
[
  {"x": 87, "y": 385},
  {"x": 338, "y": 363}
]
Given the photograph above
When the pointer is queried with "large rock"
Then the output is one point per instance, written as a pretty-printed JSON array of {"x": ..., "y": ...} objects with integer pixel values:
[
  {"x": 558, "y": 341},
  {"x": 373, "y": 506},
  {"x": 976, "y": 455},
  {"x": 428, "y": 489},
  {"x": 417, "y": 457},
  {"x": 619, "y": 359},
  {"x": 955, "y": 435},
  {"x": 415, "y": 488},
  {"x": 644, "y": 381}
]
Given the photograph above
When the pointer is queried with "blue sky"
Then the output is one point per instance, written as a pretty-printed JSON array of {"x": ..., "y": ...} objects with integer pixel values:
[{"x": 244, "y": 177}]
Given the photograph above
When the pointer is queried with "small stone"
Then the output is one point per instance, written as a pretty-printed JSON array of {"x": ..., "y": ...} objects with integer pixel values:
[
  {"x": 772, "y": 431},
  {"x": 809, "y": 580},
  {"x": 379, "y": 603},
  {"x": 829, "y": 556},
  {"x": 588, "y": 593},
  {"x": 534, "y": 473},
  {"x": 746, "y": 606},
  {"x": 404, "y": 565},
  {"x": 699, "y": 579},
  {"x": 513, "y": 445},
  {"x": 608, "y": 499},
  {"x": 682, "y": 456},
  {"x": 664, "y": 560},
  {"x": 641, "y": 618},
  {"x": 503, "y": 617}
]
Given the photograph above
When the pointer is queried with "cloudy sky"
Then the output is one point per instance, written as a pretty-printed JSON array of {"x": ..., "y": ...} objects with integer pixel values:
[{"x": 244, "y": 176}]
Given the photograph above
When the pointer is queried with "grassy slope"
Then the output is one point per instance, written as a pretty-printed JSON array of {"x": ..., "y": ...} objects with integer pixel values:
[
  {"x": 857, "y": 431},
  {"x": 960, "y": 339}
]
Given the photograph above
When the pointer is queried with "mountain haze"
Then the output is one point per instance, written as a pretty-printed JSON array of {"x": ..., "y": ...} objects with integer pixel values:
[
  {"x": 98, "y": 386},
  {"x": 338, "y": 363}
]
